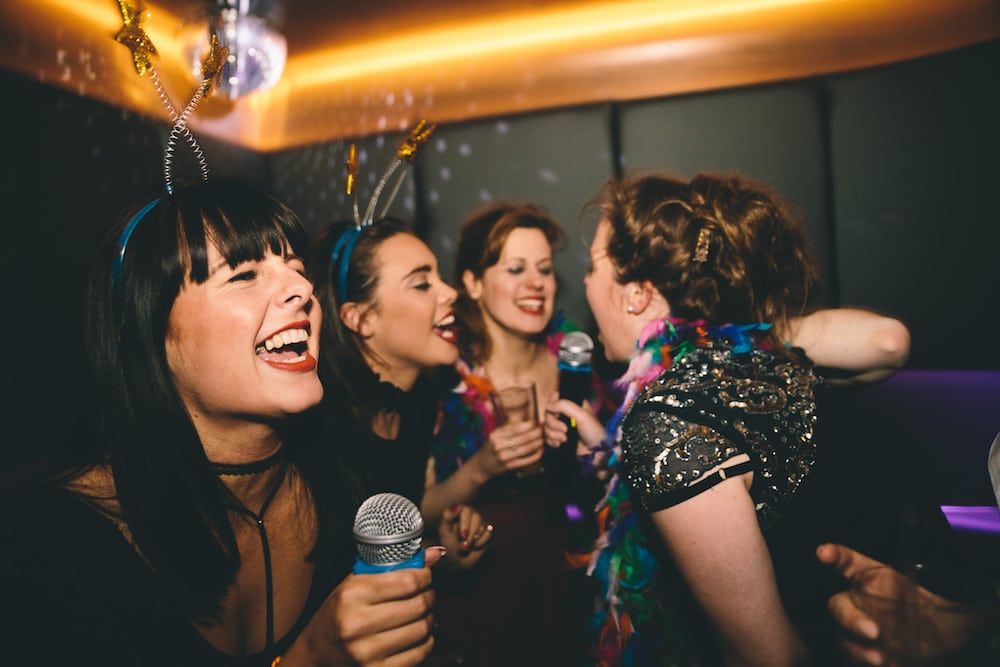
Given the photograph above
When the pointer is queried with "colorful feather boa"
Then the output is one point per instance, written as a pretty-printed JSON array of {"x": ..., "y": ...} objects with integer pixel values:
[{"x": 621, "y": 561}]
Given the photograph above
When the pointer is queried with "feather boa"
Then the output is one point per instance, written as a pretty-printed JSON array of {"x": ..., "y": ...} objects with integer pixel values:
[{"x": 621, "y": 562}]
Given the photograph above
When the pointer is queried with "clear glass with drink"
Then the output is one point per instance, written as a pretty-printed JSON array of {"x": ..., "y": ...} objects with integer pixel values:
[{"x": 515, "y": 404}]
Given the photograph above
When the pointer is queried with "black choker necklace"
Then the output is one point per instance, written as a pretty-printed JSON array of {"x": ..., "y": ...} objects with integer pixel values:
[{"x": 251, "y": 468}]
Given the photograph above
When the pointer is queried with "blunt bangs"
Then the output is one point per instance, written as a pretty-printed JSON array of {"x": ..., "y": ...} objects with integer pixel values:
[{"x": 242, "y": 222}]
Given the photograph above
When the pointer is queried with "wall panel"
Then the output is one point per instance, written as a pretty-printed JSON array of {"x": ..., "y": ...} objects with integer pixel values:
[
  {"x": 312, "y": 180},
  {"x": 772, "y": 134},
  {"x": 556, "y": 159},
  {"x": 916, "y": 170}
]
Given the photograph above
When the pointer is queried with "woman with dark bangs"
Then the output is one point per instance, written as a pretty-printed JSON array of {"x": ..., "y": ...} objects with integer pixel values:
[{"x": 211, "y": 523}]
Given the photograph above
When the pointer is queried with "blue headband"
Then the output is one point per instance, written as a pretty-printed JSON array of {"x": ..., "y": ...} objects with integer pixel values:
[
  {"x": 340, "y": 258},
  {"x": 123, "y": 239}
]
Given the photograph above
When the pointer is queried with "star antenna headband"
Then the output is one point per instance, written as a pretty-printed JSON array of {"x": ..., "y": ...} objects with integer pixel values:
[
  {"x": 340, "y": 255},
  {"x": 138, "y": 42}
]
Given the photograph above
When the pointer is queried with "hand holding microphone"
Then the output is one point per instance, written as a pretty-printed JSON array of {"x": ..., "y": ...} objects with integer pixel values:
[{"x": 381, "y": 617}]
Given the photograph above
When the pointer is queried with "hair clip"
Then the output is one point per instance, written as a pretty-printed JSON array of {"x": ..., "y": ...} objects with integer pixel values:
[
  {"x": 701, "y": 247},
  {"x": 138, "y": 42},
  {"x": 340, "y": 255}
]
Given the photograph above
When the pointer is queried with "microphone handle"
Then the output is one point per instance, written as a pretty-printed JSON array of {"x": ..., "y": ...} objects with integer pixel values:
[
  {"x": 574, "y": 385},
  {"x": 361, "y": 567}
]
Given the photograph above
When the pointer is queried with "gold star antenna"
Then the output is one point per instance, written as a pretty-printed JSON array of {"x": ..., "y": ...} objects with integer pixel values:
[
  {"x": 211, "y": 67},
  {"x": 407, "y": 151},
  {"x": 419, "y": 136},
  {"x": 138, "y": 42},
  {"x": 135, "y": 38},
  {"x": 352, "y": 168}
]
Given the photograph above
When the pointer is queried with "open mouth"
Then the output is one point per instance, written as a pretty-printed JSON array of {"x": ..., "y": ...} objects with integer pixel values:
[
  {"x": 445, "y": 328},
  {"x": 532, "y": 306},
  {"x": 288, "y": 348}
]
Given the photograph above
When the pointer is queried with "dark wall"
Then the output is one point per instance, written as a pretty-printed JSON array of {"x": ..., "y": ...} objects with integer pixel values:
[
  {"x": 72, "y": 167},
  {"x": 915, "y": 173}
]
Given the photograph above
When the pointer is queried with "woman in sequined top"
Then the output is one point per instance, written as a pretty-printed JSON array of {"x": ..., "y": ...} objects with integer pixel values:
[{"x": 717, "y": 431}]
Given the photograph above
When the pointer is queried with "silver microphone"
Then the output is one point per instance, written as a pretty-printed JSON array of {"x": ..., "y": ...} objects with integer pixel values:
[{"x": 387, "y": 530}]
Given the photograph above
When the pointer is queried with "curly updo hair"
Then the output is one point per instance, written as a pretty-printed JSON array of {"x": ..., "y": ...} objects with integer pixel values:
[{"x": 718, "y": 248}]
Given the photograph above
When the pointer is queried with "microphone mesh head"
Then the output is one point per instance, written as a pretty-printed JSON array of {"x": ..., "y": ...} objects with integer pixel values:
[
  {"x": 576, "y": 349},
  {"x": 387, "y": 529}
]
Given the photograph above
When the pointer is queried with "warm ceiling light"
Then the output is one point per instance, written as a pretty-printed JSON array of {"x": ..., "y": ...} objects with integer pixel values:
[{"x": 257, "y": 50}]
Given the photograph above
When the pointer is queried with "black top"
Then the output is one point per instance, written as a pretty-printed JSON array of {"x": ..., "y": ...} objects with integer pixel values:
[
  {"x": 400, "y": 465},
  {"x": 821, "y": 474},
  {"x": 76, "y": 592},
  {"x": 710, "y": 406}
]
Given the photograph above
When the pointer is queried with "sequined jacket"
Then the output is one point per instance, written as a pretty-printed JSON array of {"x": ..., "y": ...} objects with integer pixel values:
[{"x": 712, "y": 405}]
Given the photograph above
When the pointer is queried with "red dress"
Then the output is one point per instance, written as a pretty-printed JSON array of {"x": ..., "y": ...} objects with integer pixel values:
[{"x": 522, "y": 604}]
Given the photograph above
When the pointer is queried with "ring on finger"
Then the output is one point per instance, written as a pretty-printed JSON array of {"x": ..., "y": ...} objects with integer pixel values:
[
  {"x": 510, "y": 444},
  {"x": 488, "y": 528}
]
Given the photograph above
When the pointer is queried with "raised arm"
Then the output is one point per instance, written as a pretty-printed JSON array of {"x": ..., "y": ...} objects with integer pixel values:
[
  {"x": 716, "y": 543},
  {"x": 855, "y": 345}
]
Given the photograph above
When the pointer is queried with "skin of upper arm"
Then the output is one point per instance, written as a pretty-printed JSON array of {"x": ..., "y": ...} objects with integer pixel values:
[
  {"x": 866, "y": 346},
  {"x": 716, "y": 543}
]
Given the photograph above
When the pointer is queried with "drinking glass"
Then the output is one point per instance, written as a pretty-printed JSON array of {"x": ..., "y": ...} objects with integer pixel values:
[
  {"x": 515, "y": 404},
  {"x": 932, "y": 616}
]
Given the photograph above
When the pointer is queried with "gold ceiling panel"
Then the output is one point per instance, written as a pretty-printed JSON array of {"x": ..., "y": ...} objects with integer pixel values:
[{"x": 378, "y": 72}]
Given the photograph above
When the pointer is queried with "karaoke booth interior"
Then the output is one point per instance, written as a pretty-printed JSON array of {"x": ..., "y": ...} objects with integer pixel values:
[{"x": 879, "y": 127}]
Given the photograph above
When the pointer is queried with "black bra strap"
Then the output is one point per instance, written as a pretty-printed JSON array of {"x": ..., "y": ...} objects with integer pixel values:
[{"x": 704, "y": 484}]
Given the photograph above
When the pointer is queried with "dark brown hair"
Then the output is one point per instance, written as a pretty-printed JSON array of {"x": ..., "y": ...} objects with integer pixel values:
[
  {"x": 350, "y": 386},
  {"x": 480, "y": 245},
  {"x": 757, "y": 267},
  {"x": 172, "y": 500}
]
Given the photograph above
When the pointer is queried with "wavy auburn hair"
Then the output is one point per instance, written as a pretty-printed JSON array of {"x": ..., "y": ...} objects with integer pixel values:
[
  {"x": 480, "y": 245},
  {"x": 754, "y": 263}
]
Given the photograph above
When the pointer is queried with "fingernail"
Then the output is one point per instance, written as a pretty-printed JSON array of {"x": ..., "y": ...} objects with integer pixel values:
[
  {"x": 464, "y": 533},
  {"x": 442, "y": 550},
  {"x": 867, "y": 629},
  {"x": 455, "y": 508},
  {"x": 464, "y": 546}
]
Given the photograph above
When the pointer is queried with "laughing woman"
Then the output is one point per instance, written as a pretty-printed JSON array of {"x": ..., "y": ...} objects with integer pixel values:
[
  {"x": 505, "y": 311},
  {"x": 207, "y": 526},
  {"x": 389, "y": 317}
]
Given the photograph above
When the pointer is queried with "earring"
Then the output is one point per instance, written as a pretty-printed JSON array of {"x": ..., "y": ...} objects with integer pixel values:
[{"x": 629, "y": 310}]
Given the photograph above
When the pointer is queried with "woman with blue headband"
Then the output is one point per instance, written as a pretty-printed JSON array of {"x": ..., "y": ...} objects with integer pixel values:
[
  {"x": 210, "y": 522},
  {"x": 390, "y": 318}
]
